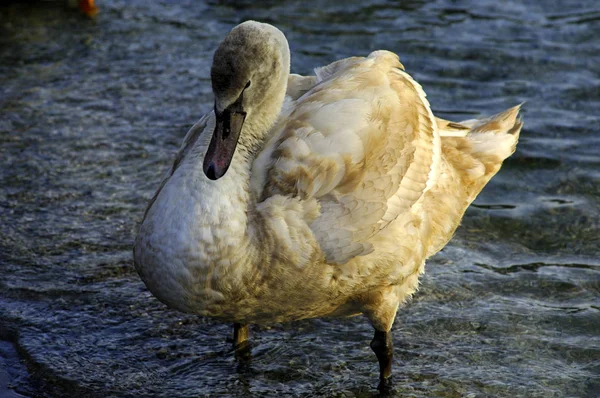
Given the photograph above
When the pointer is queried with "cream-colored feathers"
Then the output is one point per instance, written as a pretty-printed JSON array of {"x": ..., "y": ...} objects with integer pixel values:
[
  {"x": 331, "y": 210},
  {"x": 365, "y": 157}
]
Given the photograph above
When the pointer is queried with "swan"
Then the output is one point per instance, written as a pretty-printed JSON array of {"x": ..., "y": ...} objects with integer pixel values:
[{"x": 312, "y": 196}]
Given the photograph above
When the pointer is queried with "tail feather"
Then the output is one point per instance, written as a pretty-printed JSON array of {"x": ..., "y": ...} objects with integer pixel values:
[
  {"x": 472, "y": 153},
  {"x": 484, "y": 142},
  {"x": 500, "y": 122},
  {"x": 447, "y": 128}
]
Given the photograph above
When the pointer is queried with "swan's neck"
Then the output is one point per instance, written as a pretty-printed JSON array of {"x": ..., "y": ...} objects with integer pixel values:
[
  {"x": 224, "y": 205},
  {"x": 259, "y": 125}
]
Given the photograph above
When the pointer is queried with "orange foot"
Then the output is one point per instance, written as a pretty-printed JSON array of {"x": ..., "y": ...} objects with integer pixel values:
[{"x": 88, "y": 8}]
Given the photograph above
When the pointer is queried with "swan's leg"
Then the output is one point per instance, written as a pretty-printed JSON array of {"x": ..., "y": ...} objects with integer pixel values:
[
  {"x": 383, "y": 347},
  {"x": 380, "y": 307},
  {"x": 240, "y": 342},
  {"x": 240, "y": 335}
]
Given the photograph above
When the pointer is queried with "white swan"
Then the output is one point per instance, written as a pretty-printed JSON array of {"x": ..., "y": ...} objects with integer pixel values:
[{"x": 302, "y": 197}]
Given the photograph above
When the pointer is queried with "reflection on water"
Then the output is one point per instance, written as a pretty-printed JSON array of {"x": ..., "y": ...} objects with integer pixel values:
[{"x": 92, "y": 113}]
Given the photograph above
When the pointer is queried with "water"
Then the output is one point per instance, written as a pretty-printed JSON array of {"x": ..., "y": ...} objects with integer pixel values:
[{"x": 93, "y": 112}]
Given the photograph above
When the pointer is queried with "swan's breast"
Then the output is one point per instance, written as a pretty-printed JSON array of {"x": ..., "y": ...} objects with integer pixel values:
[{"x": 189, "y": 248}]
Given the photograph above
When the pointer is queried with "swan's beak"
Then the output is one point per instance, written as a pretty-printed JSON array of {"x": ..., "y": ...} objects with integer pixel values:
[{"x": 224, "y": 140}]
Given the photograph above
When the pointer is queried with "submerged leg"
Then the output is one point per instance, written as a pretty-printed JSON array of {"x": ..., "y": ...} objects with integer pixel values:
[
  {"x": 383, "y": 347},
  {"x": 240, "y": 342},
  {"x": 240, "y": 335}
]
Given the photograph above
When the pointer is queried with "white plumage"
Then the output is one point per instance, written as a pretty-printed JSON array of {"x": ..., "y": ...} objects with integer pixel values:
[{"x": 341, "y": 185}]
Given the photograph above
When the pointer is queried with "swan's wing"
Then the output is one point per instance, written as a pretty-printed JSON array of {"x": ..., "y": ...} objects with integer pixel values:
[
  {"x": 299, "y": 85},
  {"x": 362, "y": 143},
  {"x": 328, "y": 71},
  {"x": 188, "y": 142}
]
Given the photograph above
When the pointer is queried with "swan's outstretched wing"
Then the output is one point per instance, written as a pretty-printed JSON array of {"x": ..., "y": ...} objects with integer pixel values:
[{"x": 362, "y": 143}]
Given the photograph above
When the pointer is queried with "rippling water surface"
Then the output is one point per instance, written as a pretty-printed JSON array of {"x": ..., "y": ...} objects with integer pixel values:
[{"x": 91, "y": 114}]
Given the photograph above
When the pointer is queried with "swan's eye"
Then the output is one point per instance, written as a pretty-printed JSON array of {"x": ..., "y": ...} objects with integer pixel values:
[{"x": 247, "y": 84}]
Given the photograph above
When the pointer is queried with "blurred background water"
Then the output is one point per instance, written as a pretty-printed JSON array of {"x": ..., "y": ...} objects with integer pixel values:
[{"x": 92, "y": 112}]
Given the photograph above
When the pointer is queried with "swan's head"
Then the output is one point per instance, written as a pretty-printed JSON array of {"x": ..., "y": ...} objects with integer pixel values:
[{"x": 249, "y": 78}]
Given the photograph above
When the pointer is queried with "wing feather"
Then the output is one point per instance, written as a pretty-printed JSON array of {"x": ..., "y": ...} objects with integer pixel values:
[{"x": 363, "y": 143}]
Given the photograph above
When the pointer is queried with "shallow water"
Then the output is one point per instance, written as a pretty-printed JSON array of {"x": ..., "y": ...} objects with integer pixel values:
[{"x": 91, "y": 114}]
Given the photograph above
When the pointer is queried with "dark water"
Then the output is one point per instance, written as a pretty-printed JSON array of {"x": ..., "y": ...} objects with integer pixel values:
[{"x": 91, "y": 114}]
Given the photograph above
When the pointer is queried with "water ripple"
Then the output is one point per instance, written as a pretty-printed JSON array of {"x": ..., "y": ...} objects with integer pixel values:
[{"x": 91, "y": 114}]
